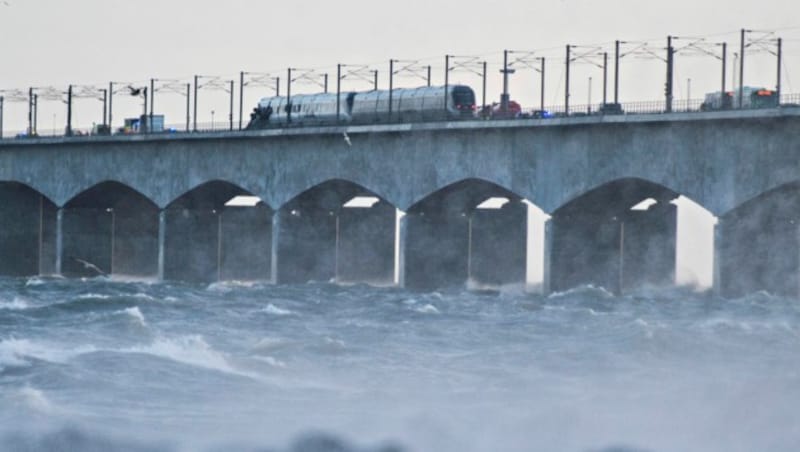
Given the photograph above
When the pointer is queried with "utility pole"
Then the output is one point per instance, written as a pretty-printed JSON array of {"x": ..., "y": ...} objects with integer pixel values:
[
  {"x": 230, "y": 115},
  {"x": 605, "y": 77},
  {"x": 504, "y": 98},
  {"x": 616, "y": 72},
  {"x": 110, "y": 97},
  {"x": 541, "y": 96},
  {"x": 338, "y": 90},
  {"x": 446, "y": 79},
  {"x": 1, "y": 117},
  {"x": 483, "y": 90},
  {"x": 289, "y": 97},
  {"x": 391, "y": 85},
  {"x": 724, "y": 75},
  {"x": 778, "y": 84},
  {"x": 741, "y": 67},
  {"x": 195, "y": 103},
  {"x": 105, "y": 106},
  {"x": 668, "y": 84},
  {"x": 188, "y": 104},
  {"x": 69, "y": 111},
  {"x": 566, "y": 85},
  {"x": 241, "y": 98}
]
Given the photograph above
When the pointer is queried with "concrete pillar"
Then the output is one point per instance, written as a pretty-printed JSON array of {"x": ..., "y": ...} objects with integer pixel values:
[
  {"x": 191, "y": 245},
  {"x": 436, "y": 249},
  {"x": 162, "y": 235},
  {"x": 402, "y": 238},
  {"x": 276, "y": 236},
  {"x": 498, "y": 244},
  {"x": 717, "y": 283},
  {"x": 59, "y": 241},
  {"x": 548, "y": 257},
  {"x": 245, "y": 243},
  {"x": 365, "y": 250}
]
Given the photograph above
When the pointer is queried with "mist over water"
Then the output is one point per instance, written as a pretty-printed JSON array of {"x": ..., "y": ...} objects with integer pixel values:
[{"x": 133, "y": 366}]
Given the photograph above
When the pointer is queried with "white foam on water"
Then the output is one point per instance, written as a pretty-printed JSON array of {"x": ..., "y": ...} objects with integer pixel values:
[
  {"x": 271, "y": 361},
  {"x": 192, "y": 350},
  {"x": 135, "y": 314},
  {"x": 427, "y": 309},
  {"x": 93, "y": 296},
  {"x": 34, "y": 399},
  {"x": 16, "y": 352},
  {"x": 17, "y": 304},
  {"x": 274, "y": 310}
]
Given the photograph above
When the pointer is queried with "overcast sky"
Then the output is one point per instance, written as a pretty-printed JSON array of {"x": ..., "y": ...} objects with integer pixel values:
[{"x": 58, "y": 42}]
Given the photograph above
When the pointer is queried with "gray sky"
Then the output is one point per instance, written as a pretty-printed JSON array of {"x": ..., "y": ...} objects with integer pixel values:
[{"x": 58, "y": 42}]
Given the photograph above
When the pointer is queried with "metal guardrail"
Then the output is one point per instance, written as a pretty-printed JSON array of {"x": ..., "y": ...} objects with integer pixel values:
[{"x": 626, "y": 108}]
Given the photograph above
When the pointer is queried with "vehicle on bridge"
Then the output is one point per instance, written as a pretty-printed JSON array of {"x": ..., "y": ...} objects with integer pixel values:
[
  {"x": 407, "y": 104},
  {"x": 751, "y": 98}
]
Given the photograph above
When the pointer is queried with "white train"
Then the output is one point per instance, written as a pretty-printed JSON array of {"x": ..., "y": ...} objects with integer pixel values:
[{"x": 408, "y": 104}]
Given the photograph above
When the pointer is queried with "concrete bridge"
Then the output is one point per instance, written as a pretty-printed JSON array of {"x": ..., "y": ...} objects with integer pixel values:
[{"x": 156, "y": 205}]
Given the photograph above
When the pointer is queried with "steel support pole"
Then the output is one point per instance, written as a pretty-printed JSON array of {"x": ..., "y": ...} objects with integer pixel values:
[
  {"x": 616, "y": 72},
  {"x": 541, "y": 96},
  {"x": 1, "y": 117},
  {"x": 69, "y": 111},
  {"x": 391, "y": 85},
  {"x": 146, "y": 126},
  {"x": 566, "y": 84},
  {"x": 504, "y": 96},
  {"x": 230, "y": 112},
  {"x": 741, "y": 68},
  {"x": 668, "y": 85},
  {"x": 30, "y": 111},
  {"x": 110, "y": 99},
  {"x": 375, "y": 84},
  {"x": 483, "y": 89},
  {"x": 429, "y": 75},
  {"x": 446, "y": 79},
  {"x": 338, "y": 89},
  {"x": 188, "y": 105},
  {"x": 241, "y": 98},
  {"x": 35, "y": 114},
  {"x": 605, "y": 77},
  {"x": 277, "y": 86},
  {"x": 152, "y": 99},
  {"x": 105, "y": 106},
  {"x": 194, "y": 116},
  {"x": 325, "y": 82},
  {"x": 289, "y": 97},
  {"x": 724, "y": 64},
  {"x": 780, "y": 57}
]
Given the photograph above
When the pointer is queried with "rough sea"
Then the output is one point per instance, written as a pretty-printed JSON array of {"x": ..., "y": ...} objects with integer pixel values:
[{"x": 99, "y": 365}]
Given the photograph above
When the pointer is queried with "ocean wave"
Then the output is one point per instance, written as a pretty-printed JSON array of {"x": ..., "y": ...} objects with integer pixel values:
[
  {"x": 20, "y": 352},
  {"x": 192, "y": 350},
  {"x": 274, "y": 310},
  {"x": 17, "y": 304},
  {"x": 135, "y": 314}
]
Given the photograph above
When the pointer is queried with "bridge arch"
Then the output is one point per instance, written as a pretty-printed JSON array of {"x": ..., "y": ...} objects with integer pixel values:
[
  {"x": 27, "y": 230},
  {"x": 216, "y": 231},
  {"x": 472, "y": 231},
  {"x": 109, "y": 228},
  {"x": 336, "y": 230},
  {"x": 623, "y": 234}
]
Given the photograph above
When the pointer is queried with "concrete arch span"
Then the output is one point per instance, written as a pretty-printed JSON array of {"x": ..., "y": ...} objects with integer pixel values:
[
  {"x": 336, "y": 231},
  {"x": 206, "y": 236},
  {"x": 453, "y": 237}
]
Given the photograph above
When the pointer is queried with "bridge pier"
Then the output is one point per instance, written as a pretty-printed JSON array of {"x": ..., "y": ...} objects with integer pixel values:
[
  {"x": 435, "y": 249},
  {"x": 27, "y": 223},
  {"x": 757, "y": 247},
  {"x": 617, "y": 250},
  {"x": 366, "y": 238}
]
